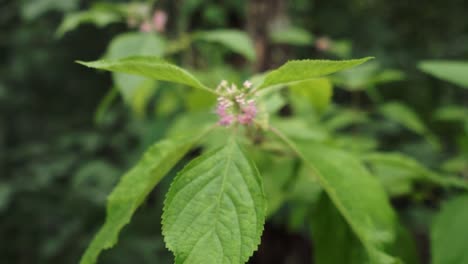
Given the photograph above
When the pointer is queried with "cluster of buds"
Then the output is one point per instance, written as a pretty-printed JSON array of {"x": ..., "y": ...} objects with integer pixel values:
[{"x": 236, "y": 104}]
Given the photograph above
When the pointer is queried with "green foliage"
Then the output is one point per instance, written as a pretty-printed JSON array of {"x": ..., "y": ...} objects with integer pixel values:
[
  {"x": 100, "y": 15},
  {"x": 449, "y": 233},
  {"x": 452, "y": 71},
  {"x": 235, "y": 40},
  {"x": 302, "y": 70},
  {"x": 405, "y": 116},
  {"x": 135, "y": 90},
  {"x": 317, "y": 91},
  {"x": 133, "y": 188},
  {"x": 54, "y": 159},
  {"x": 330, "y": 231},
  {"x": 344, "y": 178},
  {"x": 291, "y": 36},
  {"x": 215, "y": 210},
  {"x": 150, "y": 67},
  {"x": 398, "y": 172},
  {"x": 367, "y": 76},
  {"x": 33, "y": 9}
]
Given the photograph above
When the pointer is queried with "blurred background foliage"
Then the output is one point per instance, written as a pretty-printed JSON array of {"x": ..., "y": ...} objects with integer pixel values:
[{"x": 67, "y": 134}]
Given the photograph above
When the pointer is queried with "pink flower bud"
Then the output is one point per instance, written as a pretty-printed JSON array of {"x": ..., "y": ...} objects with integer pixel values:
[
  {"x": 247, "y": 84},
  {"x": 323, "y": 43},
  {"x": 227, "y": 120},
  {"x": 146, "y": 27},
  {"x": 159, "y": 20}
]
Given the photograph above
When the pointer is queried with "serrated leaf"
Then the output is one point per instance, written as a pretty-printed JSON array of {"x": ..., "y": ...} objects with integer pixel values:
[
  {"x": 235, "y": 40},
  {"x": 449, "y": 234},
  {"x": 357, "y": 195},
  {"x": 452, "y": 71},
  {"x": 150, "y": 67},
  {"x": 215, "y": 209},
  {"x": 301, "y": 70},
  {"x": 133, "y": 188}
]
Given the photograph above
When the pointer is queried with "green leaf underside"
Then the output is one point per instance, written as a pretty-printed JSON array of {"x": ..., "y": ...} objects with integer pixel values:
[
  {"x": 452, "y": 71},
  {"x": 136, "y": 90},
  {"x": 99, "y": 17},
  {"x": 317, "y": 91},
  {"x": 358, "y": 196},
  {"x": 150, "y": 67},
  {"x": 301, "y": 70},
  {"x": 236, "y": 40},
  {"x": 133, "y": 188},
  {"x": 331, "y": 232},
  {"x": 412, "y": 169},
  {"x": 404, "y": 115},
  {"x": 292, "y": 36},
  {"x": 449, "y": 234},
  {"x": 215, "y": 209}
]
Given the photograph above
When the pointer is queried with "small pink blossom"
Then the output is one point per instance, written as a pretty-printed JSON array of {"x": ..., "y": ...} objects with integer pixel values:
[
  {"x": 146, "y": 27},
  {"x": 159, "y": 20},
  {"x": 236, "y": 105},
  {"x": 323, "y": 43},
  {"x": 226, "y": 120}
]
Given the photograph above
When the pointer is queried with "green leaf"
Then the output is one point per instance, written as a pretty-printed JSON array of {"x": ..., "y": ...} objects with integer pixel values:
[
  {"x": 345, "y": 117},
  {"x": 399, "y": 169},
  {"x": 449, "y": 234},
  {"x": 235, "y": 40},
  {"x": 405, "y": 116},
  {"x": 277, "y": 171},
  {"x": 452, "y": 71},
  {"x": 317, "y": 91},
  {"x": 452, "y": 113},
  {"x": 331, "y": 232},
  {"x": 366, "y": 76},
  {"x": 135, "y": 44},
  {"x": 301, "y": 129},
  {"x": 357, "y": 195},
  {"x": 133, "y": 188},
  {"x": 135, "y": 90},
  {"x": 150, "y": 67},
  {"x": 100, "y": 15},
  {"x": 32, "y": 9},
  {"x": 215, "y": 209},
  {"x": 405, "y": 246},
  {"x": 302, "y": 70},
  {"x": 291, "y": 36}
]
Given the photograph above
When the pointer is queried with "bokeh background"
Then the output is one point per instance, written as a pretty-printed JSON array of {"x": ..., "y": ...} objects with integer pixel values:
[{"x": 63, "y": 145}]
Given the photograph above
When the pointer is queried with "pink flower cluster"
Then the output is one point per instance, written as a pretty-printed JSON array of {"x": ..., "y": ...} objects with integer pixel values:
[
  {"x": 157, "y": 24},
  {"x": 236, "y": 105}
]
